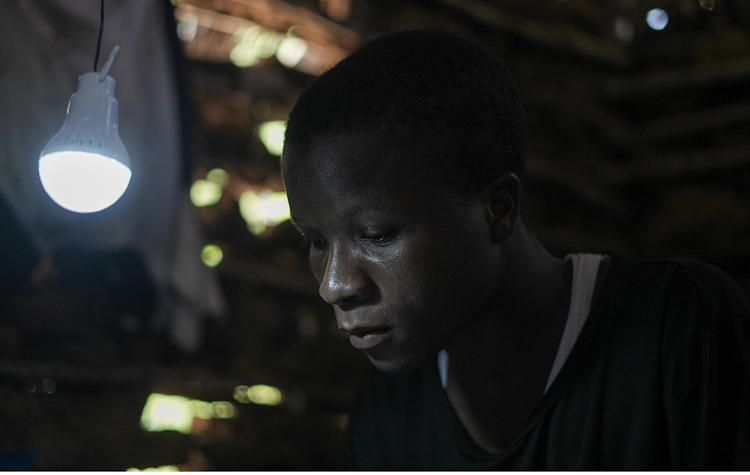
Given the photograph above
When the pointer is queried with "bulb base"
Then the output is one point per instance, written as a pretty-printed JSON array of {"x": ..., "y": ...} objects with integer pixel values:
[{"x": 92, "y": 121}]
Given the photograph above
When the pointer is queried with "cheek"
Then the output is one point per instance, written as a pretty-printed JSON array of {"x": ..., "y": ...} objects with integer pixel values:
[
  {"x": 450, "y": 277},
  {"x": 317, "y": 264}
]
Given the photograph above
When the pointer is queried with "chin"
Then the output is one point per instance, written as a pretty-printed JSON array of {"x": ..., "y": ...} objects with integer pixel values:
[{"x": 398, "y": 366}]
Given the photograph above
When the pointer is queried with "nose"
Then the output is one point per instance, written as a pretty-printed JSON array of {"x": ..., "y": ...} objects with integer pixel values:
[{"x": 344, "y": 281}]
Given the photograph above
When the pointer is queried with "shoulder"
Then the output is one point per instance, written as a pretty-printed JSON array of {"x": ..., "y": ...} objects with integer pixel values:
[
  {"x": 697, "y": 305},
  {"x": 691, "y": 280}
]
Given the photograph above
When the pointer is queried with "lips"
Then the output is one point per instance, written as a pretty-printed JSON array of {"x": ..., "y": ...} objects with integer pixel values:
[{"x": 367, "y": 337}]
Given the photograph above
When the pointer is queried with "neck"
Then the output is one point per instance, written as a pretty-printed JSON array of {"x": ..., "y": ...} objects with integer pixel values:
[
  {"x": 499, "y": 367},
  {"x": 532, "y": 297}
]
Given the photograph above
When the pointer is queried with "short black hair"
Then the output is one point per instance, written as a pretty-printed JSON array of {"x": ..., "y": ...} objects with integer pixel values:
[{"x": 445, "y": 98}]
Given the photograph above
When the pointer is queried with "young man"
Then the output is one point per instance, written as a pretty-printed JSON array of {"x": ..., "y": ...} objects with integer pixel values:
[{"x": 404, "y": 170}]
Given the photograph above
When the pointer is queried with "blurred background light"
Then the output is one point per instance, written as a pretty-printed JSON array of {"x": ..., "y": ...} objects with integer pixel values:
[
  {"x": 212, "y": 255},
  {"x": 218, "y": 176},
  {"x": 261, "y": 210},
  {"x": 201, "y": 409},
  {"x": 253, "y": 44},
  {"x": 291, "y": 51},
  {"x": 187, "y": 27},
  {"x": 272, "y": 135},
  {"x": 48, "y": 386},
  {"x": 222, "y": 409},
  {"x": 263, "y": 394},
  {"x": 240, "y": 394},
  {"x": 205, "y": 193},
  {"x": 163, "y": 468},
  {"x": 657, "y": 19},
  {"x": 163, "y": 412},
  {"x": 707, "y": 5}
]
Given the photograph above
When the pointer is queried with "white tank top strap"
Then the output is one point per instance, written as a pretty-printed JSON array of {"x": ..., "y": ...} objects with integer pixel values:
[{"x": 585, "y": 271}]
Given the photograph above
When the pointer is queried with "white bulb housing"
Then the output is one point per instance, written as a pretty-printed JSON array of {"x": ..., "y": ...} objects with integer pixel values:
[{"x": 85, "y": 167}]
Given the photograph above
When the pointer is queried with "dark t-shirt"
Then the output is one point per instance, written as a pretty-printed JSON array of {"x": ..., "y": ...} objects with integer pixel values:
[{"x": 658, "y": 379}]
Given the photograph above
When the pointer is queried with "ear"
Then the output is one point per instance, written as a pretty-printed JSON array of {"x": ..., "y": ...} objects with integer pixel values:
[{"x": 502, "y": 199}]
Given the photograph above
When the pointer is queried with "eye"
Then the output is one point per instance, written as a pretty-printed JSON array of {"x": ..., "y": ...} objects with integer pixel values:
[
  {"x": 315, "y": 243},
  {"x": 378, "y": 235}
]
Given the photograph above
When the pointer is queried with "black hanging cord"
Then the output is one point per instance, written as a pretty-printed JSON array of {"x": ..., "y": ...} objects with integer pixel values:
[{"x": 99, "y": 41}]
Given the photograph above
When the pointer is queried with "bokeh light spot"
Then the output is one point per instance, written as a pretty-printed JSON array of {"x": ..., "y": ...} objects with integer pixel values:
[
  {"x": 263, "y": 394},
  {"x": 163, "y": 468},
  {"x": 201, "y": 409},
  {"x": 212, "y": 255},
  {"x": 187, "y": 27},
  {"x": 240, "y": 394},
  {"x": 657, "y": 19},
  {"x": 222, "y": 409},
  {"x": 291, "y": 51},
  {"x": 272, "y": 135},
  {"x": 218, "y": 176},
  {"x": 163, "y": 412},
  {"x": 49, "y": 386},
  {"x": 260, "y": 210},
  {"x": 205, "y": 193}
]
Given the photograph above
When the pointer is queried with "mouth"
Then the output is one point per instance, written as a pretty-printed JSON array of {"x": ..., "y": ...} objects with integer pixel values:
[{"x": 367, "y": 337}]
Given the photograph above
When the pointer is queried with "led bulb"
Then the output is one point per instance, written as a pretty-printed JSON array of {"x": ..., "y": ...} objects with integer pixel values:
[
  {"x": 85, "y": 167},
  {"x": 83, "y": 182}
]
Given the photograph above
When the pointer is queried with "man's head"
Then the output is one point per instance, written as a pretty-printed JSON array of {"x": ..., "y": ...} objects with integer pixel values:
[
  {"x": 444, "y": 103},
  {"x": 401, "y": 170}
]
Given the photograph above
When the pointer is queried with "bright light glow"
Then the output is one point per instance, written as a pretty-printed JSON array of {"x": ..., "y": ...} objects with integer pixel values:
[
  {"x": 272, "y": 135},
  {"x": 254, "y": 44},
  {"x": 657, "y": 19},
  {"x": 291, "y": 51},
  {"x": 211, "y": 255},
  {"x": 205, "y": 193},
  {"x": 218, "y": 176},
  {"x": 262, "y": 394},
  {"x": 163, "y": 412},
  {"x": 263, "y": 210},
  {"x": 83, "y": 182}
]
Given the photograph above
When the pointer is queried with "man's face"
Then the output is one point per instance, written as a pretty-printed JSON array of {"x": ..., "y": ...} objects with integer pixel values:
[{"x": 406, "y": 264}]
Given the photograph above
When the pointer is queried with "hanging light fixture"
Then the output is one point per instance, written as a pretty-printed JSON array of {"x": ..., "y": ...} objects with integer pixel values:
[{"x": 85, "y": 167}]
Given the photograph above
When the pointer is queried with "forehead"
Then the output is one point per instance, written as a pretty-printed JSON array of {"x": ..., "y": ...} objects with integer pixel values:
[
  {"x": 346, "y": 161},
  {"x": 355, "y": 175}
]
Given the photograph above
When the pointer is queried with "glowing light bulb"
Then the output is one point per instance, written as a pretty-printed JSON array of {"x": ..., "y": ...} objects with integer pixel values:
[
  {"x": 85, "y": 167},
  {"x": 83, "y": 182}
]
